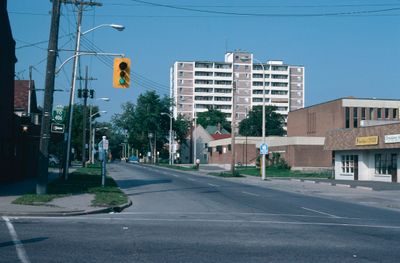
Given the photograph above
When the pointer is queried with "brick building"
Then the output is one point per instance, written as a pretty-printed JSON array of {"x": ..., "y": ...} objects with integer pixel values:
[
  {"x": 366, "y": 153},
  {"x": 342, "y": 113}
]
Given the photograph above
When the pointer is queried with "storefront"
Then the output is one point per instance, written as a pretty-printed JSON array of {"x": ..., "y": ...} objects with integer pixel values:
[{"x": 368, "y": 153}]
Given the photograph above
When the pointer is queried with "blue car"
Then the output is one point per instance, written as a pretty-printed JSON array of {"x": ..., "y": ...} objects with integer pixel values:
[{"x": 133, "y": 159}]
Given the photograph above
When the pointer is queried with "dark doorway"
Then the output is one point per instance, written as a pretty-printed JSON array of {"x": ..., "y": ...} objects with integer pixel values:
[
  {"x": 393, "y": 167},
  {"x": 355, "y": 167}
]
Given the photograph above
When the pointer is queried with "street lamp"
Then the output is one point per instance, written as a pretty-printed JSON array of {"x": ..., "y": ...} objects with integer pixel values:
[
  {"x": 263, "y": 120},
  {"x": 170, "y": 136},
  {"x": 72, "y": 94},
  {"x": 93, "y": 135}
]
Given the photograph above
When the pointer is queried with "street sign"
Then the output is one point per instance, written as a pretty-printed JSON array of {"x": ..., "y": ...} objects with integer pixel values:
[
  {"x": 59, "y": 114},
  {"x": 264, "y": 148},
  {"x": 57, "y": 128}
]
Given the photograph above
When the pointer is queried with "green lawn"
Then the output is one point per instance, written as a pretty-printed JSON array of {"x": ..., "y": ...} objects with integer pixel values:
[
  {"x": 178, "y": 167},
  {"x": 274, "y": 172},
  {"x": 83, "y": 180}
]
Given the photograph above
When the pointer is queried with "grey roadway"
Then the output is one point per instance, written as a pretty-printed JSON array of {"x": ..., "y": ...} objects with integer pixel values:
[{"x": 183, "y": 217}]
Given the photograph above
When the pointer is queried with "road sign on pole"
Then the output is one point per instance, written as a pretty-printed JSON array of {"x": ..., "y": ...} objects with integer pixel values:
[
  {"x": 264, "y": 149},
  {"x": 57, "y": 128}
]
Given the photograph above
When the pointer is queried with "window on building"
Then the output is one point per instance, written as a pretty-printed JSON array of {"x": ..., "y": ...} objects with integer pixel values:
[
  {"x": 371, "y": 113},
  {"x": 348, "y": 164},
  {"x": 386, "y": 113},
  {"x": 362, "y": 113},
  {"x": 355, "y": 117},
  {"x": 382, "y": 163},
  {"x": 180, "y": 73},
  {"x": 347, "y": 117},
  {"x": 394, "y": 116},
  {"x": 379, "y": 113}
]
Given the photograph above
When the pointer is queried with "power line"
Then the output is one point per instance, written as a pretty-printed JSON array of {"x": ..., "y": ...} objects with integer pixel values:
[{"x": 358, "y": 12}]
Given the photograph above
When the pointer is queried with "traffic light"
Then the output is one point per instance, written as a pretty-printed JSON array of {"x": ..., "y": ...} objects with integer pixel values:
[
  {"x": 79, "y": 93},
  {"x": 122, "y": 70},
  {"x": 91, "y": 93}
]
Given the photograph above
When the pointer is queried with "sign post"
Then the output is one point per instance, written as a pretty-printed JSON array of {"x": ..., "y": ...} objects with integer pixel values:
[
  {"x": 263, "y": 152},
  {"x": 103, "y": 149}
]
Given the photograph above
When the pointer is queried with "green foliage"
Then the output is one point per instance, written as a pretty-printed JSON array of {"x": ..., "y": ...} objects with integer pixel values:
[
  {"x": 213, "y": 117},
  {"x": 252, "y": 126},
  {"x": 181, "y": 126},
  {"x": 143, "y": 118},
  {"x": 277, "y": 162}
]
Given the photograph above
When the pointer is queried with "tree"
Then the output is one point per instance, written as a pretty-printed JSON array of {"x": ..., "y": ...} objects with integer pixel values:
[
  {"x": 143, "y": 118},
  {"x": 213, "y": 117},
  {"x": 252, "y": 126},
  {"x": 181, "y": 127}
]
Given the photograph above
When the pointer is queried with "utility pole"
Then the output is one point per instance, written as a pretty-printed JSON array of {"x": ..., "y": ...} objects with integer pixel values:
[
  {"x": 30, "y": 92},
  {"x": 85, "y": 95},
  {"x": 41, "y": 186},
  {"x": 67, "y": 138},
  {"x": 233, "y": 127}
]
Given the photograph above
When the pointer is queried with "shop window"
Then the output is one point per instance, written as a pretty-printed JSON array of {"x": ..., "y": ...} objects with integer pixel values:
[
  {"x": 382, "y": 163},
  {"x": 348, "y": 164}
]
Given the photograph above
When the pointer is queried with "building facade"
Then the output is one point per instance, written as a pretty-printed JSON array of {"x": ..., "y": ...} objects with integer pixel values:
[
  {"x": 198, "y": 85},
  {"x": 342, "y": 113},
  {"x": 367, "y": 153}
]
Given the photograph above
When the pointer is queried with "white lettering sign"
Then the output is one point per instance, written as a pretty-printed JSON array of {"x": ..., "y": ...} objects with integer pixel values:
[{"x": 392, "y": 138}]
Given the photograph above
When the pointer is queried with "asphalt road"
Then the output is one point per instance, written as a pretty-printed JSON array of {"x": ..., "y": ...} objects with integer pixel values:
[{"x": 180, "y": 217}]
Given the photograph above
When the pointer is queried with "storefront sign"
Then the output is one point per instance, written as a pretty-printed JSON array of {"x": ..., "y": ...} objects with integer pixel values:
[
  {"x": 367, "y": 140},
  {"x": 392, "y": 138}
]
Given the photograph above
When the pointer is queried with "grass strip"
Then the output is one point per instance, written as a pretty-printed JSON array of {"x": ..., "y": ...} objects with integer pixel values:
[
  {"x": 178, "y": 167},
  {"x": 282, "y": 173},
  {"x": 83, "y": 180}
]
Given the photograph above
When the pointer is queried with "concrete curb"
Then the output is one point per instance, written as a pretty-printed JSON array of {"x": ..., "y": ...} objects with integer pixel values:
[{"x": 117, "y": 209}]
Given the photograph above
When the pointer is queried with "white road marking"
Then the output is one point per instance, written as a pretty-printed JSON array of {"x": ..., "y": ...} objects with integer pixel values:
[
  {"x": 247, "y": 193},
  {"x": 18, "y": 244},
  {"x": 213, "y": 185},
  {"x": 319, "y": 212},
  {"x": 224, "y": 221},
  {"x": 174, "y": 175},
  {"x": 190, "y": 179}
]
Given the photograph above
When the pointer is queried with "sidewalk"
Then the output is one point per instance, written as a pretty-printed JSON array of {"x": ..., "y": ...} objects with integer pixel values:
[{"x": 65, "y": 206}]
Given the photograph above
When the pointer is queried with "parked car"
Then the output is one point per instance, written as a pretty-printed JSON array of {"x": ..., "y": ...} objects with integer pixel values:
[
  {"x": 132, "y": 159},
  {"x": 53, "y": 160}
]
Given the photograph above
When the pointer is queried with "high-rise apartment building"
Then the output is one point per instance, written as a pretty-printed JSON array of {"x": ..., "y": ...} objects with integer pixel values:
[{"x": 198, "y": 85}]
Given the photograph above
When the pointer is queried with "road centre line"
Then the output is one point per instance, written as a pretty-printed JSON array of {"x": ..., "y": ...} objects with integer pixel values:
[
  {"x": 230, "y": 221},
  {"x": 213, "y": 185},
  {"x": 18, "y": 244},
  {"x": 319, "y": 212},
  {"x": 247, "y": 193}
]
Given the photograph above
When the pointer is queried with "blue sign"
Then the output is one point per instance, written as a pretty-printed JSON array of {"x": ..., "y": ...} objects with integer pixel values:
[{"x": 264, "y": 148}]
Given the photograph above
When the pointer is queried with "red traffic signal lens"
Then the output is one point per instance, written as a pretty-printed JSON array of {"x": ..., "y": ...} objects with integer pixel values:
[{"x": 123, "y": 66}]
